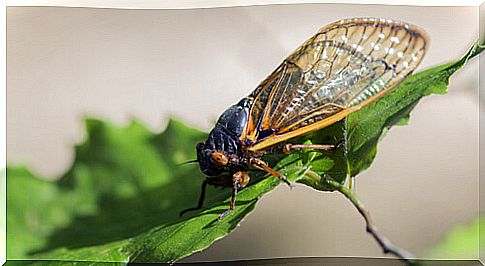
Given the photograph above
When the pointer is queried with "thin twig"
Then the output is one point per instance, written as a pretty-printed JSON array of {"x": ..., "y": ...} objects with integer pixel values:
[{"x": 385, "y": 244}]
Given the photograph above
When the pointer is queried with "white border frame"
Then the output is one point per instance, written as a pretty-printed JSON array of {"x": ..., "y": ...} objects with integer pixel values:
[
  {"x": 185, "y": 4},
  {"x": 151, "y": 4}
]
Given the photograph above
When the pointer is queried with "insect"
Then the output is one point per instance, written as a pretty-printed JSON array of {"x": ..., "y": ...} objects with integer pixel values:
[{"x": 344, "y": 66}]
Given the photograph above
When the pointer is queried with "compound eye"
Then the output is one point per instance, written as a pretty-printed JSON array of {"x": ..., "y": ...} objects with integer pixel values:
[{"x": 219, "y": 159}]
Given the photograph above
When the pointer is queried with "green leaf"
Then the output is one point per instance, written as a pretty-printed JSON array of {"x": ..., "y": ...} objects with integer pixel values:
[{"x": 121, "y": 198}]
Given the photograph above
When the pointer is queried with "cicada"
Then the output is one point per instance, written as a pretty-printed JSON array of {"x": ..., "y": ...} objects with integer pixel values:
[{"x": 343, "y": 67}]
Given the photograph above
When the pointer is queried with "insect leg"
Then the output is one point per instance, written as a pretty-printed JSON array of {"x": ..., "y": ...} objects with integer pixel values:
[
  {"x": 291, "y": 147},
  {"x": 201, "y": 200},
  {"x": 233, "y": 199},
  {"x": 264, "y": 166}
]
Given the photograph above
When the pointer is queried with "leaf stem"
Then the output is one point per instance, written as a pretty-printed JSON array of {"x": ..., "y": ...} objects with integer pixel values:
[{"x": 386, "y": 245}]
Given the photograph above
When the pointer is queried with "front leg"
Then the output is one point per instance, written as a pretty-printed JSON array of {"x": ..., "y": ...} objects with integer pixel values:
[{"x": 239, "y": 180}]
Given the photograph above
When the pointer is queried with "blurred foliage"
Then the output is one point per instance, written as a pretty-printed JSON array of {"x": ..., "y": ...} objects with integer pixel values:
[
  {"x": 461, "y": 242},
  {"x": 121, "y": 198}
]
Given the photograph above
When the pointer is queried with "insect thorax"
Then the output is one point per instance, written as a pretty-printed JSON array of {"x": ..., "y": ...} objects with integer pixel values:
[{"x": 224, "y": 139}]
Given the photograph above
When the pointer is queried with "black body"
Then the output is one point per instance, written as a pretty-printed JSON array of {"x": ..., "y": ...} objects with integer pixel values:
[{"x": 224, "y": 138}]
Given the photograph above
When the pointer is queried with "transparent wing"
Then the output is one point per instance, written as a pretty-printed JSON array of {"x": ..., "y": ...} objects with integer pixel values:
[{"x": 344, "y": 66}]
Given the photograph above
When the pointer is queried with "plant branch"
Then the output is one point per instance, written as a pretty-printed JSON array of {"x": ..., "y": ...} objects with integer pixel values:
[{"x": 385, "y": 243}]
